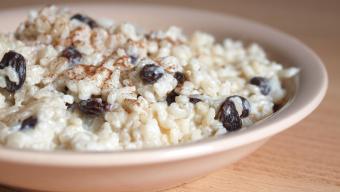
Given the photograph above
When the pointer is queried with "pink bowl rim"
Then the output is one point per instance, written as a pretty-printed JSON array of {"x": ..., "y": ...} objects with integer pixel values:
[{"x": 284, "y": 119}]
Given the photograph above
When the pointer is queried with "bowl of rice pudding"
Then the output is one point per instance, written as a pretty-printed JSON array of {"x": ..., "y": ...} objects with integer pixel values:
[{"x": 152, "y": 94}]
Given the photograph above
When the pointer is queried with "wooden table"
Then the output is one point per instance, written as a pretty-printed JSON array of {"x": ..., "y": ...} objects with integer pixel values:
[{"x": 307, "y": 156}]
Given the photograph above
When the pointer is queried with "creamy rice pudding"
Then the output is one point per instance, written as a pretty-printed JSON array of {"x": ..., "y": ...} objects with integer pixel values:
[{"x": 68, "y": 81}]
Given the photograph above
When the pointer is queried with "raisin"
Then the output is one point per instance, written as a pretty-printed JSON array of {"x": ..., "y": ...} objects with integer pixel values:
[
  {"x": 262, "y": 83},
  {"x": 276, "y": 107},
  {"x": 72, "y": 55},
  {"x": 71, "y": 106},
  {"x": 133, "y": 59},
  {"x": 29, "y": 123},
  {"x": 150, "y": 73},
  {"x": 245, "y": 105},
  {"x": 194, "y": 100},
  {"x": 85, "y": 19},
  {"x": 171, "y": 97},
  {"x": 180, "y": 77},
  {"x": 18, "y": 63},
  {"x": 93, "y": 106},
  {"x": 229, "y": 117}
]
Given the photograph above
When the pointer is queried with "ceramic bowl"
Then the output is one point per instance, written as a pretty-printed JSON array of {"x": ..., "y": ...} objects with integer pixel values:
[{"x": 156, "y": 169}]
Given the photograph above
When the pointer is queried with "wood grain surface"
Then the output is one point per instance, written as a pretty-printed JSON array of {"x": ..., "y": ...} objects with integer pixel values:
[{"x": 307, "y": 156}]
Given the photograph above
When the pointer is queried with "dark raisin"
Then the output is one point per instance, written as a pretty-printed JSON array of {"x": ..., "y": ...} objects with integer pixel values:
[
  {"x": 85, "y": 19},
  {"x": 71, "y": 106},
  {"x": 180, "y": 77},
  {"x": 72, "y": 55},
  {"x": 93, "y": 106},
  {"x": 276, "y": 107},
  {"x": 262, "y": 83},
  {"x": 229, "y": 117},
  {"x": 18, "y": 63},
  {"x": 194, "y": 100},
  {"x": 29, "y": 123},
  {"x": 171, "y": 97},
  {"x": 150, "y": 73},
  {"x": 245, "y": 105},
  {"x": 133, "y": 59}
]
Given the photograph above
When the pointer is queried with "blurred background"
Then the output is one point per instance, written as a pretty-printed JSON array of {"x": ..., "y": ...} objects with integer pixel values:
[{"x": 304, "y": 157}]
